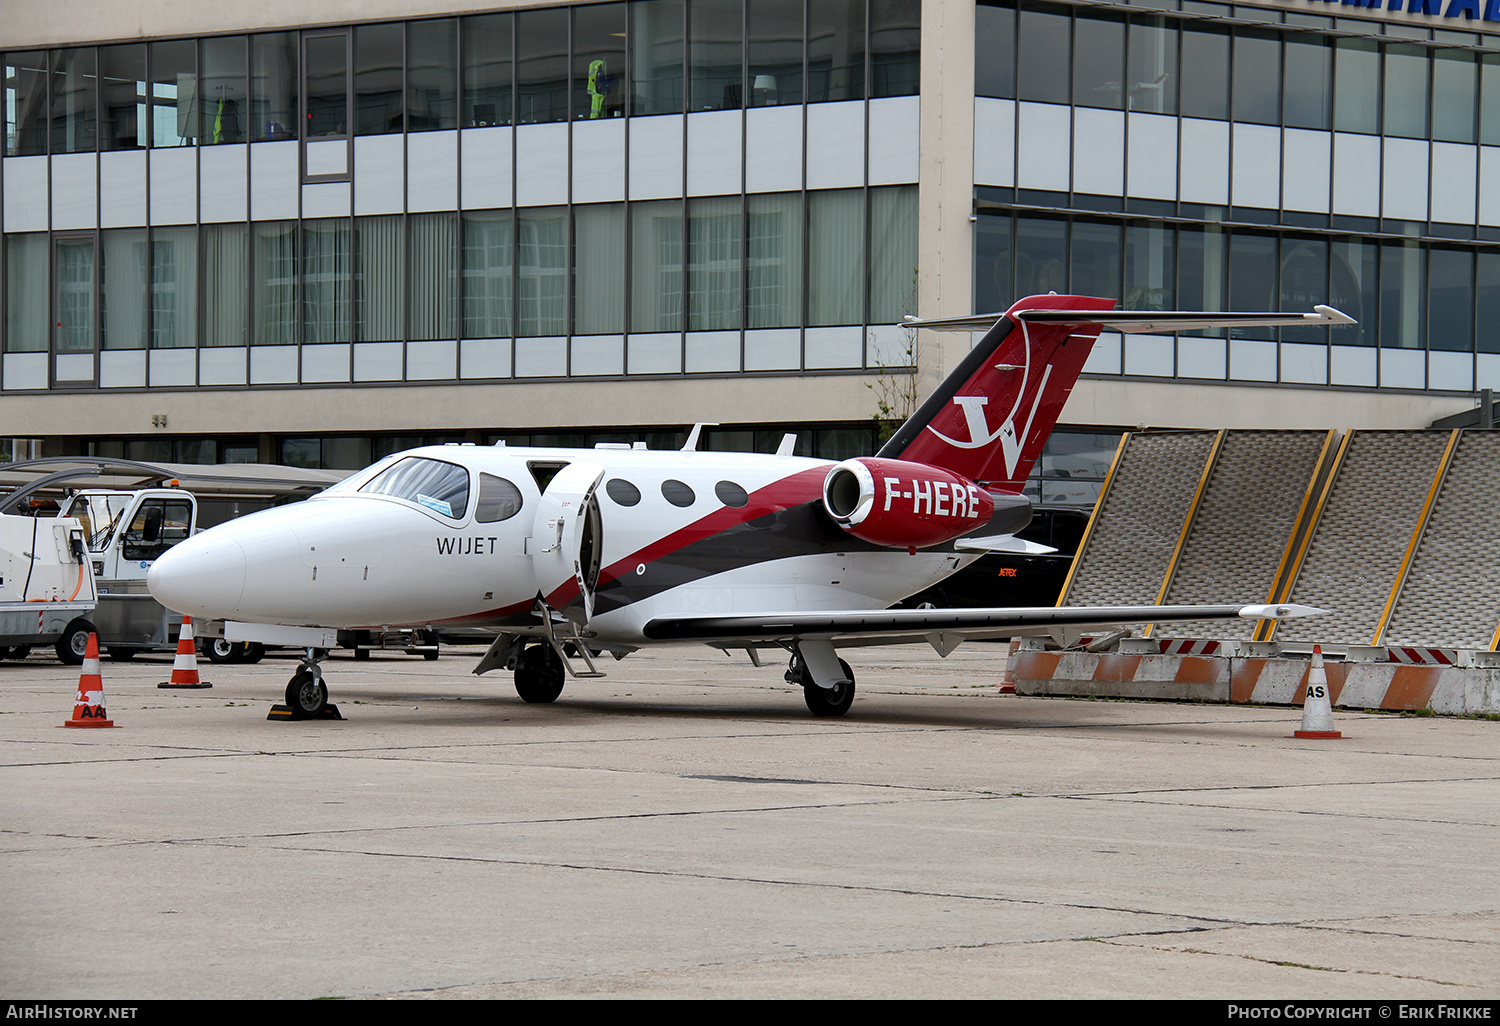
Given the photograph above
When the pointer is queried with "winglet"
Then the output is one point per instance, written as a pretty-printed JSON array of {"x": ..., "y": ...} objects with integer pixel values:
[{"x": 1284, "y": 611}]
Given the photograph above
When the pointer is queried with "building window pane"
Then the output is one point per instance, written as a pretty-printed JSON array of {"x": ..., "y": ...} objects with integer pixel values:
[
  {"x": 174, "y": 93},
  {"x": 1489, "y": 101},
  {"x": 1451, "y": 318},
  {"x": 656, "y": 56},
  {"x": 1201, "y": 270},
  {"x": 1252, "y": 279},
  {"x": 327, "y": 66},
  {"x": 1041, "y": 256},
  {"x": 74, "y": 105},
  {"x": 1257, "y": 77},
  {"x": 377, "y": 78},
  {"x": 275, "y": 293},
  {"x": 432, "y": 275},
  {"x": 25, "y": 104},
  {"x": 1402, "y": 290},
  {"x": 487, "y": 41},
  {"x": 1304, "y": 284},
  {"x": 1152, "y": 72},
  {"x": 1043, "y": 54},
  {"x": 325, "y": 280},
  {"x": 835, "y": 50},
  {"x": 893, "y": 253},
  {"x": 26, "y": 293},
  {"x": 1356, "y": 95},
  {"x": 1455, "y": 87},
  {"x": 223, "y": 87},
  {"x": 542, "y": 66},
  {"x": 1096, "y": 260},
  {"x": 273, "y": 86},
  {"x": 775, "y": 52},
  {"x": 598, "y": 61},
  {"x": 773, "y": 271},
  {"x": 487, "y": 273},
  {"x": 75, "y": 294},
  {"x": 715, "y": 54},
  {"x": 1205, "y": 73},
  {"x": 1309, "y": 82},
  {"x": 995, "y": 52},
  {"x": 379, "y": 259},
  {"x": 714, "y": 233},
  {"x": 1098, "y": 61},
  {"x": 1353, "y": 277},
  {"x": 432, "y": 75},
  {"x": 225, "y": 281},
  {"x": 122, "y": 94},
  {"x": 174, "y": 288},
  {"x": 835, "y": 252},
  {"x": 656, "y": 266},
  {"x": 1406, "y": 91},
  {"x": 1487, "y": 285},
  {"x": 599, "y": 269},
  {"x": 1150, "y": 263},
  {"x": 895, "y": 47},
  {"x": 992, "y": 290},
  {"x": 542, "y": 271}
]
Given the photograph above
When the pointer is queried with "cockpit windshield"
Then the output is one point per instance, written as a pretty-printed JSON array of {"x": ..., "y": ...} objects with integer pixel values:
[
  {"x": 439, "y": 486},
  {"x": 99, "y": 515}
]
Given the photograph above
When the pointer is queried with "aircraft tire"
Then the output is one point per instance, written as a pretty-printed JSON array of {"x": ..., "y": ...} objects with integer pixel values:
[
  {"x": 219, "y": 650},
  {"x": 828, "y": 701},
  {"x": 306, "y": 694},
  {"x": 254, "y": 652},
  {"x": 539, "y": 675}
]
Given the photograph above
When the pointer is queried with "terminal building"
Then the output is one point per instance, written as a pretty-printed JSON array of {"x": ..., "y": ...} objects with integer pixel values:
[{"x": 269, "y": 233}]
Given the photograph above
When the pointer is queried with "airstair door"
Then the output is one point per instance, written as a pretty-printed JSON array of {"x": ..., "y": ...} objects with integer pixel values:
[{"x": 567, "y": 541}]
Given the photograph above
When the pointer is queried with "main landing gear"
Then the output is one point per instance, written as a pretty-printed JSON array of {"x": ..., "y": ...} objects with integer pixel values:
[
  {"x": 821, "y": 701},
  {"x": 539, "y": 674}
]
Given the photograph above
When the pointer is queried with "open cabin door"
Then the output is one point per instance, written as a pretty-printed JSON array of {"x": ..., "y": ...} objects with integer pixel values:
[{"x": 567, "y": 540}]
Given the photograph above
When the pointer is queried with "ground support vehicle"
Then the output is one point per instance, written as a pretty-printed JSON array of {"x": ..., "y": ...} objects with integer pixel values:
[{"x": 47, "y": 592}]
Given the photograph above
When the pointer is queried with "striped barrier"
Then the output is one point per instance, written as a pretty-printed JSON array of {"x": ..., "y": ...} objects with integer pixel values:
[{"x": 1454, "y": 690}]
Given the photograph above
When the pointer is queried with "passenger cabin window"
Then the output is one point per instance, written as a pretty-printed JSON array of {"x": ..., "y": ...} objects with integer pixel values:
[
  {"x": 440, "y": 487},
  {"x": 678, "y": 493},
  {"x": 731, "y": 494},
  {"x": 622, "y": 492},
  {"x": 499, "y": 500}
]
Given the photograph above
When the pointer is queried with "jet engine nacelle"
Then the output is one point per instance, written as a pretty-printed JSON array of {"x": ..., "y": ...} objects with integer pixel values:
[{"x": 899, "y": 504}]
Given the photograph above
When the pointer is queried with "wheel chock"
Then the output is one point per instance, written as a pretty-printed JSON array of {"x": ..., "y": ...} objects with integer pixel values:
[{"x": 286, "y": 712}]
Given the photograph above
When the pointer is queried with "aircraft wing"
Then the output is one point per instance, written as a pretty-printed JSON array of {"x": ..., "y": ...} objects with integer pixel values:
[
  {"x": 1132, "y": 322},
  {"x": 902, "y": 626}
]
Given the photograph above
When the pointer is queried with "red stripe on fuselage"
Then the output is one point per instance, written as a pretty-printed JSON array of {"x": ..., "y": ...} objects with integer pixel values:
[{"x": 793, "y": 490}]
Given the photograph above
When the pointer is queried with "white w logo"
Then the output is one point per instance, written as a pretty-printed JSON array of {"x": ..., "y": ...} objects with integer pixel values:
[{"x": 979, "y": 428}]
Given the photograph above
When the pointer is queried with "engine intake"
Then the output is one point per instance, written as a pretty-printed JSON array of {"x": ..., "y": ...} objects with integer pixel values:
[{"x": 897, "y": 504}]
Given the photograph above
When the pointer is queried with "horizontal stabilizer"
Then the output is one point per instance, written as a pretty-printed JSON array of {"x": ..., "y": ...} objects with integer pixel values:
[{"x": 1133, "y": 322}]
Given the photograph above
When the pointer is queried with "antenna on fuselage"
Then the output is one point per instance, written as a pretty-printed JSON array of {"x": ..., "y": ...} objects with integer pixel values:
[
  {"x": 691, "y": 445},
  {"x": 788, "y": 444}
]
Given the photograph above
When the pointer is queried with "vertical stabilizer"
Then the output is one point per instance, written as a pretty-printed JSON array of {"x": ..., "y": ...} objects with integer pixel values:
[{"x": 989, "y": 418}]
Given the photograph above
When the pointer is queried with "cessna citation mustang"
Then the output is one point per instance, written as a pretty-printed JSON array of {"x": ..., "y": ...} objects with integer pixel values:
[{"x": 570, "y": 553}]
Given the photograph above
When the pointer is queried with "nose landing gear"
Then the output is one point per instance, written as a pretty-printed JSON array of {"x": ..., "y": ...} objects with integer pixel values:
[{"x": 306, "y": 694}]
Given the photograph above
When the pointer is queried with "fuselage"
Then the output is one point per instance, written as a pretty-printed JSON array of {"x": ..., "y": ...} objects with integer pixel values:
[{"x": 469, "y": 535}]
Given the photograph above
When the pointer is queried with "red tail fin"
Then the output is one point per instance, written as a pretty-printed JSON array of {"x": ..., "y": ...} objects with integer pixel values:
[{"x": 989, "y": 419}]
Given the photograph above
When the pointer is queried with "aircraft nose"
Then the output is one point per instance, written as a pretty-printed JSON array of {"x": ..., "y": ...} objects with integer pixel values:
[{"x": 202, "y": 576}]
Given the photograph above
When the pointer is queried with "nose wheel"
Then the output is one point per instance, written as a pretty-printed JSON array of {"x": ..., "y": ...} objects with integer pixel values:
[
  {"x": 539, "y": 674},
  {"x": 306, "y": 695},
  {"x": 821, "y": 701}
]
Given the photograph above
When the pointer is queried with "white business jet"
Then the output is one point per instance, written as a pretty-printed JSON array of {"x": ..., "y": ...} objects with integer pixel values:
[{"x": 571, "y": 553}]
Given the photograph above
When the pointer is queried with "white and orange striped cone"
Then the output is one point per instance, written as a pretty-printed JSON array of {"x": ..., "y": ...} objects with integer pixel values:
[
  {"x": 1008, "y": 682},
  {"x": 1317, "y": 707},
  {"x": 185, "y": 666},
  {"x": 89, "y": 710}
]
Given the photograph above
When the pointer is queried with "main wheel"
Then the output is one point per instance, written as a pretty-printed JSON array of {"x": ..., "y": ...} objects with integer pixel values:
[
  {"x": 539, "y": 675},
  {"x": 254, "y": 652},
  {"x": 821, "y": 701},
  {"x": 306, "y": 693},
  {"x": 74, "y": 643}
]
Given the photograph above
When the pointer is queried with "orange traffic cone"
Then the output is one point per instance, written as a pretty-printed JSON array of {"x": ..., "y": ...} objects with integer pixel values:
[
  {"x": 1008, "y": 681},
  {"x": 89, "y": 712},
  {"x": 1317, "y": 708},
  {"x": 185, "y": 666}
]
